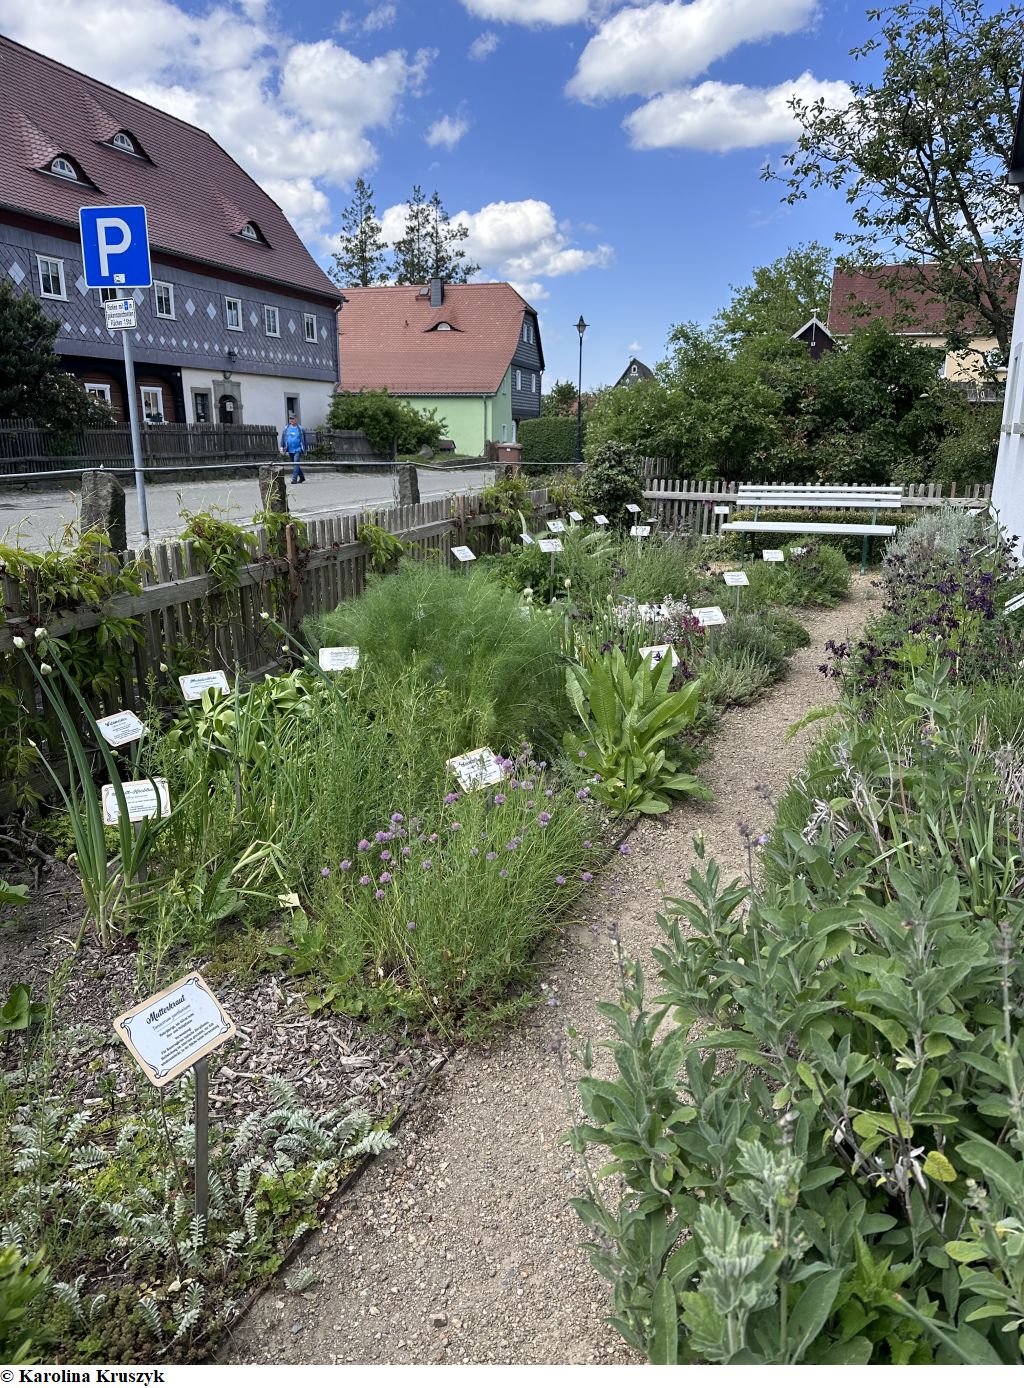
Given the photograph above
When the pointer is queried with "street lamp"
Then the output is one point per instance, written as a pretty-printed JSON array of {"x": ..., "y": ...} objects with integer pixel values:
[{"x": 581, "y": 328}]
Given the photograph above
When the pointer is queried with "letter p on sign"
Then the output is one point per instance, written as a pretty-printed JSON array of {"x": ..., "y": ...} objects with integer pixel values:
[{"x": 115, "y": 247}]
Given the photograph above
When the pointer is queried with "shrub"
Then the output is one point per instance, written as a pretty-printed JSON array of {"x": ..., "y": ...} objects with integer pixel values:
[
  {"x": 549, "y": 439},
  {"x": 612, "y": 478},
  {"x": 585, "y": 564},
  {"x": 821, "y": 575},
  {"x": 749, "y": 634},
  {"x": 737, "y": 679},
  {"x": 663, "y": 564},
  {"x": 389, "y": 423}
]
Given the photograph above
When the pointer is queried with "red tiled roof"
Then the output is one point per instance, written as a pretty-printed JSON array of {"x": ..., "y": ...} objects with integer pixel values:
[
  {"x": 858, "y": 296},
  {"x": 385, "y": 339},
  {"x": 188, "y": 187}
]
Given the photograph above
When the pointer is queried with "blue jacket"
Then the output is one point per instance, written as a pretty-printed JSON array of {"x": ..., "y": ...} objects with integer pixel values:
[{"x": 292, "y": 440}]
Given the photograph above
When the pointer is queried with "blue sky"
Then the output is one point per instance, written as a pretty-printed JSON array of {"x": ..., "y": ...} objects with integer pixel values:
[{"x": 607, "y": 156}]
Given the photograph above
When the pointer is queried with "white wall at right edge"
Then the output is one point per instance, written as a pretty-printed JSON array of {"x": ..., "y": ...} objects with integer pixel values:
[{"x": 1008, "y": 487}]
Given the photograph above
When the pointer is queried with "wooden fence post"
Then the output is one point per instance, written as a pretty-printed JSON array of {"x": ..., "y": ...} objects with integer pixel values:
[{"x": 294, "y": 610}]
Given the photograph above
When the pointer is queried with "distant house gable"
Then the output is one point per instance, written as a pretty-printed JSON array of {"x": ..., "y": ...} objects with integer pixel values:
[
  {"x": 635, "y": 371},
  {"x": 815, "y": 337}
]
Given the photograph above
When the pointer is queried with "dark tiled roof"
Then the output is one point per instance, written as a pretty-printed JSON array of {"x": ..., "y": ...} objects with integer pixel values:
[
  {"x": 642, "y": 372},
  {"x": 197, "y": 198},
  {"x": 388, "y": 339},
  {"x": 901, "y": 295}
]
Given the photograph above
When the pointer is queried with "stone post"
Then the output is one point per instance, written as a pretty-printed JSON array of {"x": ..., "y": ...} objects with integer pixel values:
[
  {"x": 273, "y": 492},
  {"x": 101, "y": 510},
  {"x": 408, "y": 485}
]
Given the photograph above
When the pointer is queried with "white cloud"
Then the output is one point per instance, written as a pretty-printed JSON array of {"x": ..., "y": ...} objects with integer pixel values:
[
  {"x": 483, "y": 46},
  {"x": 380, "y": 17},
  {"x": 717, "y": 116},
  {"x": 522, "y": 242},
  {"x": 530, "y": 11},
  {"x": 645, "y": 50},
  {"x": 633, "y": 348},
  {"x": 447, "y": 131},
  {"x": 292, "y": 114}
]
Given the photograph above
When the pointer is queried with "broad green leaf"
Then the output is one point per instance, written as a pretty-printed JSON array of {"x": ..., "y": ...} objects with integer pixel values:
[
  {"x": 939, "y": 1168},
  {"x": 663, "y": 1346}
]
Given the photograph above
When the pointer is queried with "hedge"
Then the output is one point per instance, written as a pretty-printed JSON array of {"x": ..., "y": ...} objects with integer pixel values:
[{"x": 549, "y": 439}]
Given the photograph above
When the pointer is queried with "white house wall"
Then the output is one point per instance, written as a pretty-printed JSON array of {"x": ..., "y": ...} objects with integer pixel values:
[{"x": 262, "y": 397}]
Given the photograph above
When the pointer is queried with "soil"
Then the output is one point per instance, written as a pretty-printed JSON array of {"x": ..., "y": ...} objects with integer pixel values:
[{"x": 459, "y": 1246}]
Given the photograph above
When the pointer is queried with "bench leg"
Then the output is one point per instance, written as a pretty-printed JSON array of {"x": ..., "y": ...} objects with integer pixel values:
[{"x": 864, "y": 551}]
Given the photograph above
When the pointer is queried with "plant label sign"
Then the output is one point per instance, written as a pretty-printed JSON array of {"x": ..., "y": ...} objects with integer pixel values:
[
  {"x": 477, "y": 768},
  {"x": 721, "y": 510},
  {"x": 600, "y": 520},
  {"x": 195, "y": 686},
  {"x": 658, "y": 653},
  {"x": 173, "y": 1029},
  {"x": 526, "y": 539},
  {"x": 121, "y": 728},
  {"x": 463, "y": 554},
  {"x": 639, "y": 531},
  {"x": 575, "y": 517},
  {"x": 143, "y": 800},
  {"x": 736, "y": 578},
  {"x": 710, "y": 616},
  {"x": 1014, "y": 603},
  {"x": 773, "y": 556},
  {"x": 556, "y": 527},
  {"x": 551, "y": 544},
  {"x": 339, "y": 657},
  {"x": 632, "y": 508}
]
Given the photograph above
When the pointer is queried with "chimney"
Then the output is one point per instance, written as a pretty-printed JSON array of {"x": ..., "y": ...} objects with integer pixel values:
[{"x": 436, "y": 293}]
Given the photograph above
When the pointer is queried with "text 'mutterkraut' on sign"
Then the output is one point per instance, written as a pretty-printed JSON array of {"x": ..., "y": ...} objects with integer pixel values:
[
  {"x": 121, "y": 728},
  {"x": 736, "y": 578},
  {"x": 170, "y": 1031},
  {"x": 477, "y": 768},
  {"x": 143, "y": 800},
  {"x": 193, "y": 687},
  {"x": 463, "y": 554},
  {"x": 710, "y": 616},
  {"x": 339, "y": 657},
  {"x": 551, "y": 544},
  {"x": 556, "y": 527}
]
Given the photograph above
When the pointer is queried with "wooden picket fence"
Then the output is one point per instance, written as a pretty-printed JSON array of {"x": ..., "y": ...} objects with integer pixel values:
[{"x": 682, "y": 504}]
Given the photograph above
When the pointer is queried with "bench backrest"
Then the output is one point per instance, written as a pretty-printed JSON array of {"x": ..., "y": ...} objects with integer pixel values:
[{"x": 867, "y": 498}]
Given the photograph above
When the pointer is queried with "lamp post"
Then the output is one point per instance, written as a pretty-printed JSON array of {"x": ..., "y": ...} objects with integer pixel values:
[{"x": 581, "y": 328}]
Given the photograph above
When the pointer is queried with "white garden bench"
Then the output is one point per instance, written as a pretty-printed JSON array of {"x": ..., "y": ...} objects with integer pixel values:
[{"x": 862, "y": 498}]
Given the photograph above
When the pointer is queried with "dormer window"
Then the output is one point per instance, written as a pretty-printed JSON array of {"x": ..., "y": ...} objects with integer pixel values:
[
  {"x": 122, "y": 140},
  {"x": 442, "y": 327},
  {"x": 251, "y": 232},
  {"x": 64, "y": 168}
]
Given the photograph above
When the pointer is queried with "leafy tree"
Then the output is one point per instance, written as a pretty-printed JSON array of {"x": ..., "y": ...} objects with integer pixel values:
[
  {"x": 33, "y": 383},
  {"x": 611, "y": 479},
  {"x": 560, "y": 399},
  {"x": 361, "y": 259},
  {"x": 389, "y": 423},
  {"x": 429, "y": 246},
  {"x": 921, "y": 155},
  {"x": 781, "y": 297}
]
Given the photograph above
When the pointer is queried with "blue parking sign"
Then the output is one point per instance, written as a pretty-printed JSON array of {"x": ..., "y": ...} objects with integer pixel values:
[{"x": 115, "y": 247}]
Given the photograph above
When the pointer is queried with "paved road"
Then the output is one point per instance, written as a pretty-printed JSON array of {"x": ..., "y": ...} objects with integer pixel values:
[{"x": 33, "y": 518}]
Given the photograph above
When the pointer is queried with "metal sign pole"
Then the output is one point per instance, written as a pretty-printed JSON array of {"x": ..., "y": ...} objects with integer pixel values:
[
  {"x": 202, "y": 1075},
  {"x": 133, "y": 416}
]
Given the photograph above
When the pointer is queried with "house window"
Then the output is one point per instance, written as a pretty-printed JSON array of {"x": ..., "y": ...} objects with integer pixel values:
[
  {"x": 632, "y": 369},
  {"x": 123, "y": 141},
  {"x": 533, "y": 383},
  {"x": 519, "y": 380},
  {"x": 251, "y": 232},
  {"x": 291, "y": 407},
  {"x": 163, "y": 294},
  {"x": 201, "y": 406},
  {"x": 97, "y": 390},
  {"x": 63, "y": 168},
  {"x": 442, "y": 327},
  {"x": 108, "y": 295},
  {"x": 51, "y": 277},
  {"x": 504, "y": 432},
  {"x": 271, "y": 320},
  {"x": 153, "y": 404},
  {"x": 525, "y": 326},
  {"x": 309, "y": 326},
  {"x": 233, "y": 314}
]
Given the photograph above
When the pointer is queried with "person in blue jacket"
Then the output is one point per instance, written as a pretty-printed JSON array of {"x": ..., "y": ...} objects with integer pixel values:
[{"x": 291, "y": 443}]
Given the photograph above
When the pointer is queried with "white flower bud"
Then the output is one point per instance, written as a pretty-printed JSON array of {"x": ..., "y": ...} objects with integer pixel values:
[
  {"x": 40, "y": 633},
  {"x": 285, "y": 647},
  {"x": 163, "y": 668},
  {"x": 45, "y": 669},
  {"x": 19, "y": 641},
  {"x": 264, "y": 616}
]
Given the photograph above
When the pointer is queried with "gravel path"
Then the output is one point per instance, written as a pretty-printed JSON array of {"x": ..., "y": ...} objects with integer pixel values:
[{"x": 460, "y": 1246}]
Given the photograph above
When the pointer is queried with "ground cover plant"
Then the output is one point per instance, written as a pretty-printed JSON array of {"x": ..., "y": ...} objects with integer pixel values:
[{"x": 817, "y": 1121}]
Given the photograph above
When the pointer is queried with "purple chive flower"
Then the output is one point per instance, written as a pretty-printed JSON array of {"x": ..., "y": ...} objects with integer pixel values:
[
  {"x": 398, "y": 819},
  {"x": 491, "y": 857},
  {"x": 483, "y": 833},
  {"x": 582, "y": 755},
  {"x": 406, "y": 851},
  {"x": 560, "y": 880},
  {"x": 382, "y": 836},
  {"x": 385, "y": 857},
  {"x": 474, "y": 853},
  {"x": 541, "y": 765},
  {"x": 625, "y": 849},
  {"x": 364, "y": 845},
  {"x": 379, "y": 894},
  {"x": 587, "y": 843},
  {"x": 583, "y": 794},
  {"x": 527, "y": 785},
  {"x": 427, "y": 864},
  {"x": 530, "y": 804},
  {"x": 549, "y": 794},
  {"x": 433, "y": 838},
  {"x": 451, "y": 798},
  {"x": 503, "y": 872},
  {"x": 454, "y": 825},
  {"x": 543, "y": 818},
  {"x": 410, "y": 925},
  {"x": 364, "y": 881},
  {"x": 513, "y": 785},
  {"x": 499, "y": 799},
  {"x": 345, "y": 864},
  {"x": 325, "y": 872},
  {"x": 385, "y": 877},
  {"x": 586, "y": 877}
]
